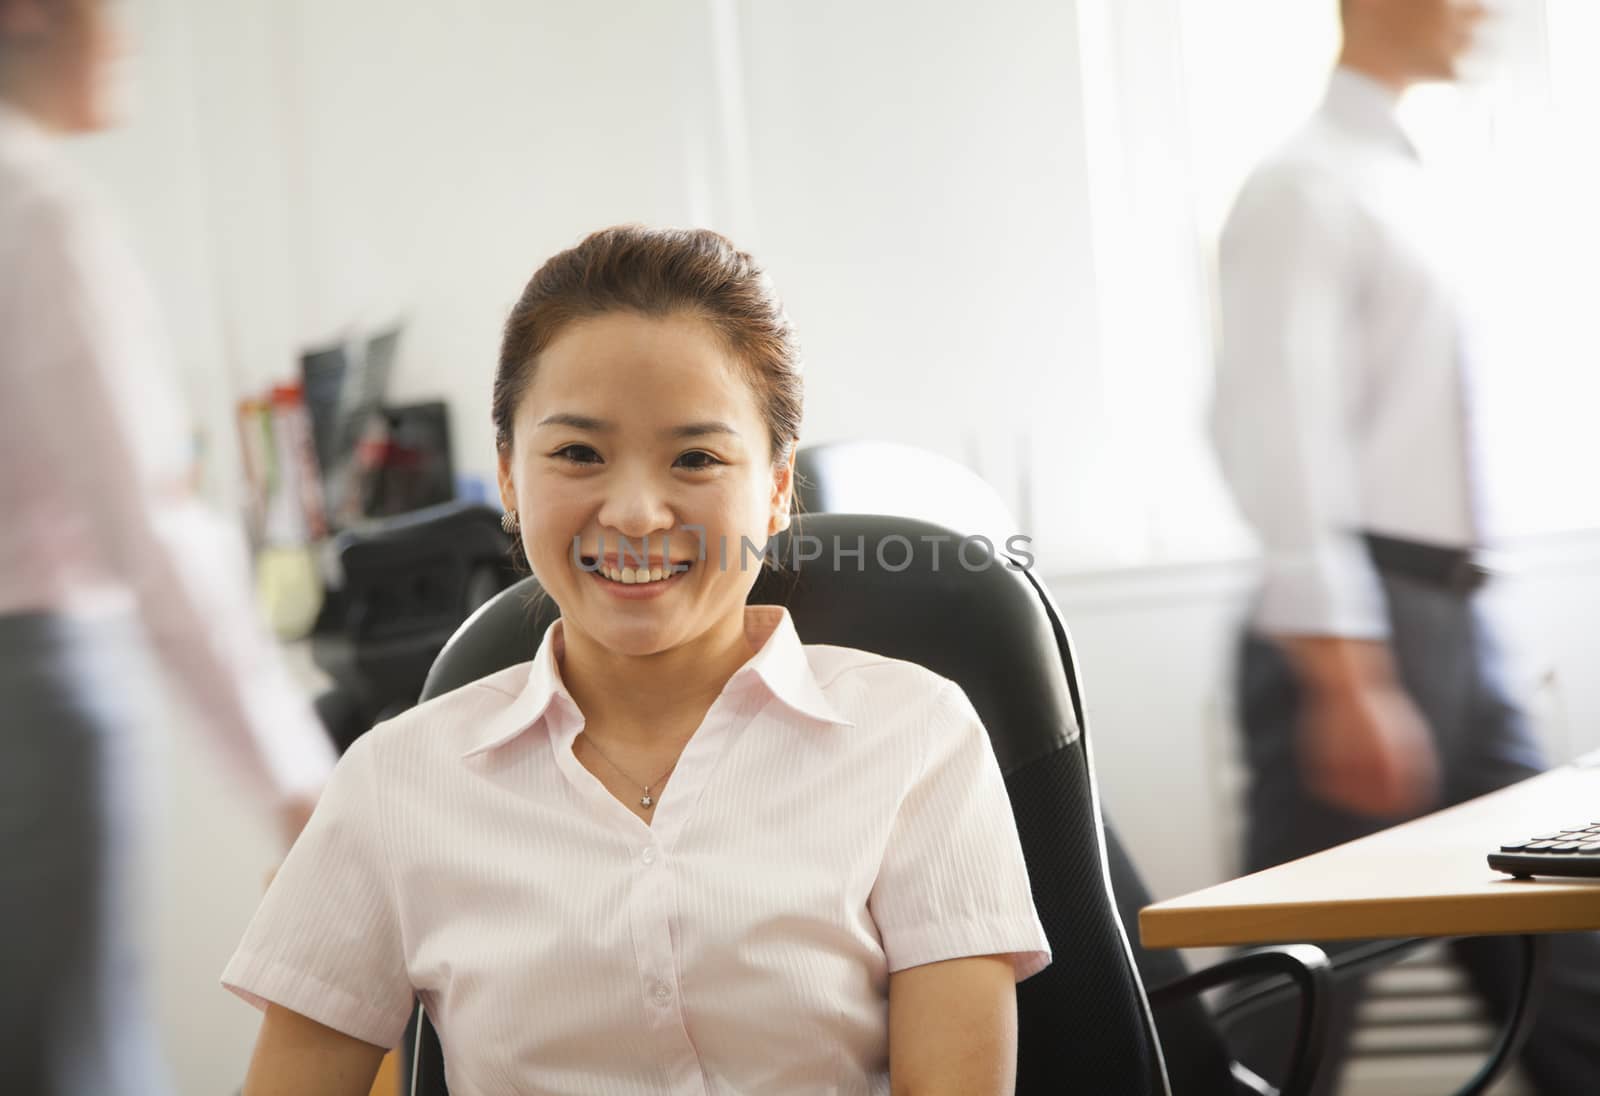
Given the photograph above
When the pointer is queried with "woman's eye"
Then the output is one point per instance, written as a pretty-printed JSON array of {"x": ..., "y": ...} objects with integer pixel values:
[
  {"x": 577, "y": 454},
  {"x": 698, "y": 460}
]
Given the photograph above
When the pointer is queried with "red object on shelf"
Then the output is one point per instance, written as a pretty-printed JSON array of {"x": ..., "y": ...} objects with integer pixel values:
[{"x": 297, "y": 460}]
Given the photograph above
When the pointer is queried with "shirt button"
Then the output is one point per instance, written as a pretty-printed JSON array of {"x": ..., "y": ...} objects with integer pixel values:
[
  {"x": 649, "y": 856},
  {"x": 661, "y": 992}
]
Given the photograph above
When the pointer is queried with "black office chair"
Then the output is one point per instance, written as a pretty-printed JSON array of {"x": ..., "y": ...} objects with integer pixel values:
[
  {"x": 879, "y": 477},
  {"x": 1084, "y": 1023},
  {"x": 409, "y": 582}
]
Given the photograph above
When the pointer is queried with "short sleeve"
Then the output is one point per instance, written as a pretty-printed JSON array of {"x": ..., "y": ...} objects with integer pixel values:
[
  {"x": 953, "y": 882},
  {"x": 326, "y": 941}
]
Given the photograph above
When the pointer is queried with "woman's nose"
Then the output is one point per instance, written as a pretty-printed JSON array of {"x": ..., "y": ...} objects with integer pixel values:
[{"x": 636, "y": 509}]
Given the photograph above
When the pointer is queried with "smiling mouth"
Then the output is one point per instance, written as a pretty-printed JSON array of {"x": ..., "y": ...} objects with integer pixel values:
[{"x": 658, "y": 571}]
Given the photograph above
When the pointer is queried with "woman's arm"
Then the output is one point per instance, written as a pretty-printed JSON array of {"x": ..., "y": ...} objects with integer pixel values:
[
  {"x": 296, "y": 1056},
  {"x": 953, "y": 1028}
]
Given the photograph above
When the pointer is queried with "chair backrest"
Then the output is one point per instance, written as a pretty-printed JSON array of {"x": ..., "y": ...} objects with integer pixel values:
[
  {"x": 408, "y": 584},
  {"x": 879, "y": 477},
  {"x": 414, "y": 573},
  {"x": 1084, "y": 1024}
]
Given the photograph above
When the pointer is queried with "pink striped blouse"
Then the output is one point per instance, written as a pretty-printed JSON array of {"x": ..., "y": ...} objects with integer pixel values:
[{"x": 837, "y": 816}]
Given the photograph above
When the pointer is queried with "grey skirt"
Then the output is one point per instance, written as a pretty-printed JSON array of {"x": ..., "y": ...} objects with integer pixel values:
[{"x": 75, "y": 1016}]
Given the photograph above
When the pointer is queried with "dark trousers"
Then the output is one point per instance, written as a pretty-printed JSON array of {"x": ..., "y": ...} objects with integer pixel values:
[
  {"x": 1450, "y": 664},
  {"x": 74, "y": 1015}
]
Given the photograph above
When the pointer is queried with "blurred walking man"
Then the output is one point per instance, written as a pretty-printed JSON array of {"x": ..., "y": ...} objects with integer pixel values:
[{"x": 1371, "y": 689}]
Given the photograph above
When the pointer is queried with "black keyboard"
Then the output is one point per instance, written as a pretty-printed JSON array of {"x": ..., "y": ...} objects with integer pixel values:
[{"x": 1560, "y": 852}]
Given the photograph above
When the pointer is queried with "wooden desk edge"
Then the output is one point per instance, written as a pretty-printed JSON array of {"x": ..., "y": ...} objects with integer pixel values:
[{"x": 1559, "y": 910}]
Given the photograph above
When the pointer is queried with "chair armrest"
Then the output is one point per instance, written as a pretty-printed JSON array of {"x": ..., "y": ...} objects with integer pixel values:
[
  {"x": 1535, "y": 958},
  {"x": 1365, "y": 958},
  {"x": 1307, "y": 968},
  {"x": 1345, "y": 963}
]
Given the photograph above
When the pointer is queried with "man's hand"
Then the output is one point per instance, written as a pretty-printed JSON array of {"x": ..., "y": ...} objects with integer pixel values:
[{"x": 1363, "y": 745}]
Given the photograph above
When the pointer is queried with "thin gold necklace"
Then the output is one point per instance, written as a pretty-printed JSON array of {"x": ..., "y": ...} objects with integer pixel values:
[{"x": 646, "y": 801}]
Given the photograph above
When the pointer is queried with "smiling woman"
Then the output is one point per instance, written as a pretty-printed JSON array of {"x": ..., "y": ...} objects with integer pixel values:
[
  {"x": 679, "y": 850},
  {"x": 613, "y": 458}
]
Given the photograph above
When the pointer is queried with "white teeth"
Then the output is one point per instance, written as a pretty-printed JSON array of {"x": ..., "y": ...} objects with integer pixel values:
[{"x": 632, "y": 576}]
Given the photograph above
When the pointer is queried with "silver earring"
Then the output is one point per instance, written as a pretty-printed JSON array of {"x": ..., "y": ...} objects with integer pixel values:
[{"x": 510, "y": 523}]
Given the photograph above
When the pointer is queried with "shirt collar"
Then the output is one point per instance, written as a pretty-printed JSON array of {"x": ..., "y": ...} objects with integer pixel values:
[
  {"x": 1366, "y": 107},
  {"x": 543, "y": 689},
  {"x": 779, "y": 665}
]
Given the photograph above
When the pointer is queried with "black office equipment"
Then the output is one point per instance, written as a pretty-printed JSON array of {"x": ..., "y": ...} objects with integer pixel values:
[
  {"x": 322, "y": 375},
  {"x": 408, "y": 583},
  {"x": 1556, "y": 852},
  {"x": 1569, "y": 852},
  {"x": 346, "y": 385},
  {"x": 404, "y": 462}
]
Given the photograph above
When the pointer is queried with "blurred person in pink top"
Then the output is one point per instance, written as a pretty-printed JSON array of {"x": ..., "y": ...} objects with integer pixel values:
[
  {"x": 679, "y": 851},
  {"x": 107, "y": 565}
]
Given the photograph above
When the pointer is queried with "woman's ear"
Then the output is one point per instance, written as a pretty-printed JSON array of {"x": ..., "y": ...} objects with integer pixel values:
[
  {"x": 782, "y": 493},
  {"x": 508, "y": 486}
]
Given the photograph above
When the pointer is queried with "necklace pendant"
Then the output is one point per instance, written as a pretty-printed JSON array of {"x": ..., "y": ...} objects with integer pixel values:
[{"x": 646, "y": 801}]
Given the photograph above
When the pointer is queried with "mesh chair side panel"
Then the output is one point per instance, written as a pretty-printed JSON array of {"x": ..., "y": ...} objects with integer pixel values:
[
  {"x": 1081, "y": 1022},
  {"x": 1197, "y": 1059}
]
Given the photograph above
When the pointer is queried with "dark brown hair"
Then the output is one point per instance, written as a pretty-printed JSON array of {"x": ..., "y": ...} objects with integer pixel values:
[{"x": 658, "y": 272}]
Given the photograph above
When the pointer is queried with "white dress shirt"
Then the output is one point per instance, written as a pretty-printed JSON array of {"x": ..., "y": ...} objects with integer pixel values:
[
  {"x": 95, "y": 454},
  {"x": 836, "y": 817},
  {"x": 1341, "y": 403}
]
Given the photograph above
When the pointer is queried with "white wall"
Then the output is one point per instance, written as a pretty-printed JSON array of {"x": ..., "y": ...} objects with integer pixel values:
[
  {"x": 912, "y": 175},
  {"x": 440, "y": 155},
  {"x": 919, "y": 193}
]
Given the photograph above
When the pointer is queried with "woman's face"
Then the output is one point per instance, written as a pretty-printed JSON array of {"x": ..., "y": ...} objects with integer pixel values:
[{"x": 642, "y": 428}]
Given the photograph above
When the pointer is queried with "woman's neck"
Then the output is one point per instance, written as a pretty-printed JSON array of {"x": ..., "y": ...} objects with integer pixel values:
[{"x": 641, "y": 699}]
